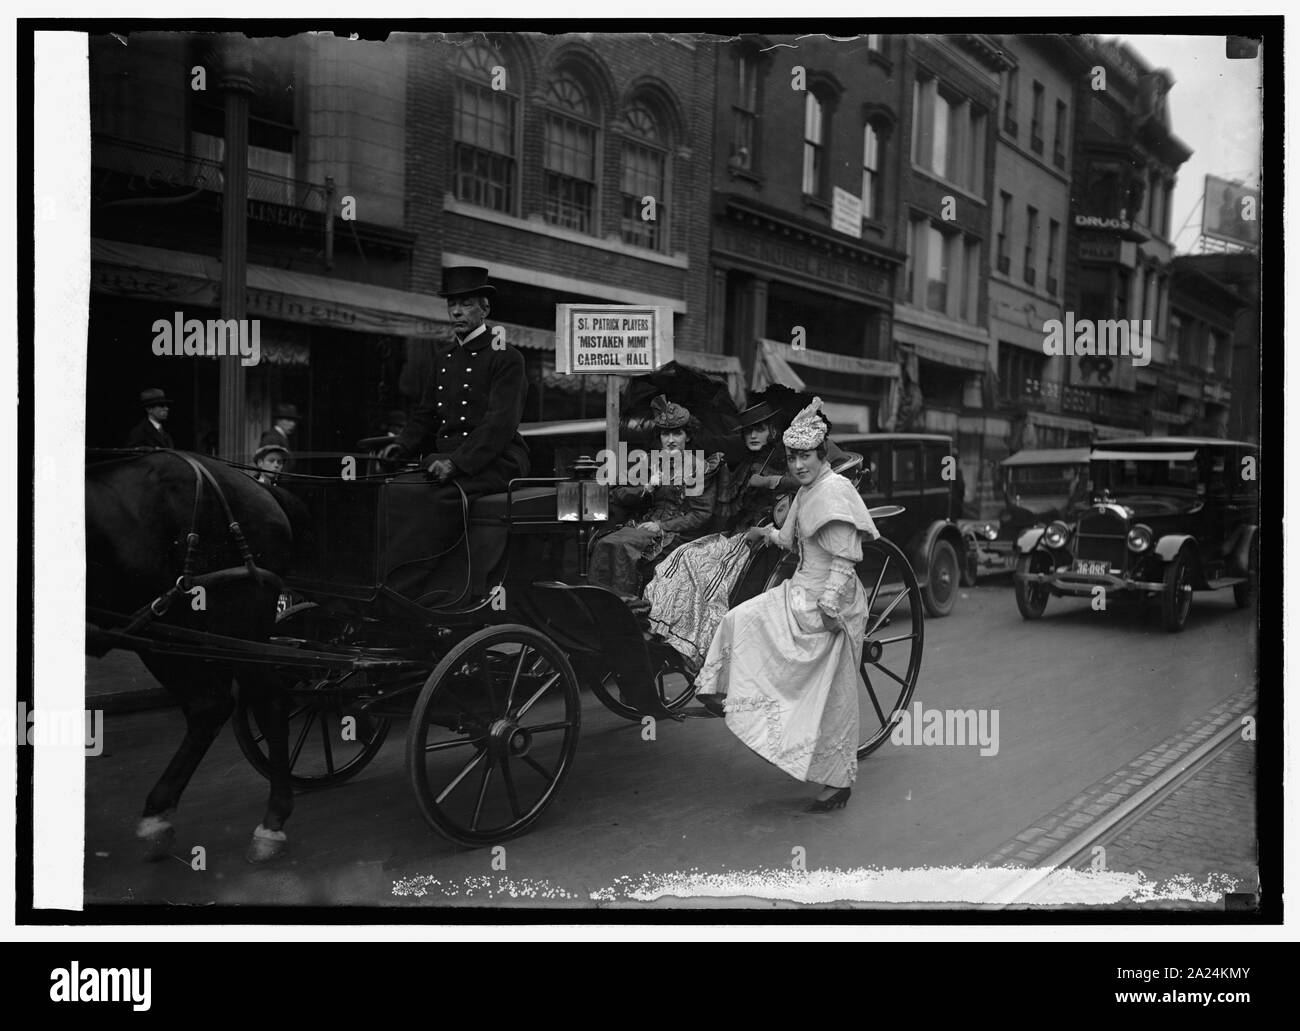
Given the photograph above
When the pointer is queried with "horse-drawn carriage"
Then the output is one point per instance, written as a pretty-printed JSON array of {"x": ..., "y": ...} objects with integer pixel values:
[{"x": 490, "y": 683}]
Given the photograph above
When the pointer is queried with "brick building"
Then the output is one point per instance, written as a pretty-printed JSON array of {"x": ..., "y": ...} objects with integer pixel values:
[
  {"x": 326, "y": 123},
  {"x": 532, "y": 155},
  {"x": 1119, "y": 248},
  {"x": 947, "y": 166},
  {"x": 806, "y": 250}
]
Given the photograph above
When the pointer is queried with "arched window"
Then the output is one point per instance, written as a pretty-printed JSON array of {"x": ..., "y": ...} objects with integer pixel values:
[
  {"x": 484, "y": 167},
  {"x": 572, "y": 141},
  {"x": 645, "y": 179}
]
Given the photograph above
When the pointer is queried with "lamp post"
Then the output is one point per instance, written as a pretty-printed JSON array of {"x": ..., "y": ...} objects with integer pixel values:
[{"x": 237, "y": 85}]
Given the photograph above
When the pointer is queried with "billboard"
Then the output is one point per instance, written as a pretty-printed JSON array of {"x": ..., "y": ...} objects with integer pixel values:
[{"x": 1231, "y": 212}]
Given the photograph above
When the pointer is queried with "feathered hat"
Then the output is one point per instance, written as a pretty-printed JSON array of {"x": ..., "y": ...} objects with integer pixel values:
[
  {"x": 668, "y": 414},
  {"x": 807, "y": 430}
]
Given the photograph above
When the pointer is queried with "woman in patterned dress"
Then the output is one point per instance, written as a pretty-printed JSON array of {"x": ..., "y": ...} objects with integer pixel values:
[
  {"x": 787, "y": 661},
  {"x": 691, "y": 589}
]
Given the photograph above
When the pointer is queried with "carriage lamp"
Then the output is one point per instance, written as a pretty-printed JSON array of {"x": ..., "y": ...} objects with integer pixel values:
[
  {"x": 583, "y": 499},
  {"x": 1139, "y": 538}
]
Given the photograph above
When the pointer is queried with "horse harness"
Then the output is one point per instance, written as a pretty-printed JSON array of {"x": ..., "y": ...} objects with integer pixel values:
[{"x": 187, "y": 581}]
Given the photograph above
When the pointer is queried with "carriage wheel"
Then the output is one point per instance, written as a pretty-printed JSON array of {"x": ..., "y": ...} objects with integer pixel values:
[
  {"x": 674, "y": 686},
  {"x": 892, "y": 643},
  {"x": 331, "y": 738},
  {"x": 493, "y": 734}
]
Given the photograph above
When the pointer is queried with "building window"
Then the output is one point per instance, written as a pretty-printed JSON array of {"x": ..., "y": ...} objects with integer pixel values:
[
  {"x": 1036, "y": 120},
  {"x": 1020, "y": 373},
  {"x": 970, "y": 294},
  {"x": 1149, "y": 296},
  {"x": 1152, "y": 205},
  {"x": 947, "y": 135},
  {"x": 870, "y": 171},
  {"x": 484, "y": 164},
  {"x": 1031, "y": 244},
  {"x": 937, "y": 271},
  {"x": 645, "y": 164},
  {"x": 814, "y": 135},
  {"x": 570, "y": 146},
  {"x": 1174, "y": 340},
  {"x": 1010, "y": 101},
  {"x": 1053, "y": 244},
  {"x": 1004, "y": 235},
  {"x": 1058, "y": 134},
  {"x": 744, "y": 113},
  {"x": 873, "y": 42}
]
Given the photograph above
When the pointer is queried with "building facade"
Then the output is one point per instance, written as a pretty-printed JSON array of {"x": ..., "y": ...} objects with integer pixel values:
[
  {"x": 329, "y": 259},
  {"x": 805, "y": 253},
  {"x": 575, "y": 168}
]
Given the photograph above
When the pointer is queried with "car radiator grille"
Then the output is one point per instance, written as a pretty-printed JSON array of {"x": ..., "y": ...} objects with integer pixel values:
[{"x": 1102, "y": 536}]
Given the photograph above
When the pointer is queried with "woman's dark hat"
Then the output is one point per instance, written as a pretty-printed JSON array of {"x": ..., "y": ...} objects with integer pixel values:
[
  {"x": 669, "y": 415},
  {"x": 465, "y": 281},
  {"x": 761, "y": 412},
  {"x": 153, "y": 396}
]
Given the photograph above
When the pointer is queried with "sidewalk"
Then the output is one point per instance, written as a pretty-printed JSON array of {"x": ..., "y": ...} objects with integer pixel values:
[{"x": 118, "y": 682}]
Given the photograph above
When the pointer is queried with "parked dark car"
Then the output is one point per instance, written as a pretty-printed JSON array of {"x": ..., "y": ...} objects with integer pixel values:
[
  {"x": 1168, "y": 516},
  {"x": 1037, "y": 486},
  {"x": 908, "y": 469}
]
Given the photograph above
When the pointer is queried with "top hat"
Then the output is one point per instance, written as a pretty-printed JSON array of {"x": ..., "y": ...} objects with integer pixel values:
[
  {"x": 465, "y": 281},
  {"x": 153, "y": 396},
  {"x": 284, "y": 411},
  {"x": 764, "y": 411}
]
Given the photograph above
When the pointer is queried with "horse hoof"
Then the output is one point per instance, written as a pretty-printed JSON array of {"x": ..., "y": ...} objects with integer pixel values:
[
  {"x": 156, "y": 834},
  {"x": 266, "y": 845}
]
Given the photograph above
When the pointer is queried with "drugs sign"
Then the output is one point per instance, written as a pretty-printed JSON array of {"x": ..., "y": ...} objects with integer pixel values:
[{"x": 600, "y": 339}]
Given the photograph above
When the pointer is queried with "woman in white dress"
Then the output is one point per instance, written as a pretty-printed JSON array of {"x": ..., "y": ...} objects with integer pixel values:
[{"x": 787, "y": 662}]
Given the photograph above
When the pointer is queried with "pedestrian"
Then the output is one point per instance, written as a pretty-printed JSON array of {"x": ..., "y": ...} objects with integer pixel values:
[
  {"x": 784, "y": 666},
  {"x": 669, "y": 511},
  {"x": 691, "y": 589},
  {"x": 466, "y": 426},
  {"x": 284, "y": 422},
  {"x": 150, "y": 431},
  {"x": 270, "y": 460}
]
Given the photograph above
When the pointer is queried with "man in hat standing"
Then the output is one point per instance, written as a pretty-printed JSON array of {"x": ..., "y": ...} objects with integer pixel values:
[
  {"x": 285, "y": 421},
  {"x": 150, "y": 432},
  {"x": 466, "y": 426}
]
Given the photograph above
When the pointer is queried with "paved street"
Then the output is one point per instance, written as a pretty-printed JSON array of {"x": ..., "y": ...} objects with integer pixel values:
[{"x": 1078, "y": 695}]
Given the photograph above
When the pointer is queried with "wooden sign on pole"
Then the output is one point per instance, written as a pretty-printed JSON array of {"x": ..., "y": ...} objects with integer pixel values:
[{"x": 612, "y": 340}]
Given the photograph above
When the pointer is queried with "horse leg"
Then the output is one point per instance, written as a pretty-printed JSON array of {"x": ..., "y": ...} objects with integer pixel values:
[
  {"x": 270, "y": 707},
  {"x": 207, "y": 703}
]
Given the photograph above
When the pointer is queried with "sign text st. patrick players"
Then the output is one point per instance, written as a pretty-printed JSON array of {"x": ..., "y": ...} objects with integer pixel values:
[{"x": 604, "y": 339}]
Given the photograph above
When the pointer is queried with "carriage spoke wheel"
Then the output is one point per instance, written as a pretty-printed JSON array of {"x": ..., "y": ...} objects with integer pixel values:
[
  {"x": 493, "y": 734},
  {"x": 892, "y": 644},
  {"x": 673, "y": 685},
  {"x": 330, "y": 737}
]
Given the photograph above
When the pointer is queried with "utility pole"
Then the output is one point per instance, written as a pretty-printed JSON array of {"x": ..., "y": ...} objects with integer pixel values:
[{"x": 237, "y": 85}]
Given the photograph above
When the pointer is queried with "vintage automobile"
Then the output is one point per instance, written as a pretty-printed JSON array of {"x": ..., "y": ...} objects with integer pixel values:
[
  {"x": 907, "y": 469},
  {"x": 1169, "y": 516},
  {"x": 1037, "y": 486}
]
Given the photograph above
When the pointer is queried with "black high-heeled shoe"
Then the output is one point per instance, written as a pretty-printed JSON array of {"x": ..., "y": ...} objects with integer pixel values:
[
  {"x": 836, "y": 801},
  {"x": 714, "y": 703}
]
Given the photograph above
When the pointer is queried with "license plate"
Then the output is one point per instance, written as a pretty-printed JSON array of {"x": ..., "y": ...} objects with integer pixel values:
[{"x": 1091, "y": 568}]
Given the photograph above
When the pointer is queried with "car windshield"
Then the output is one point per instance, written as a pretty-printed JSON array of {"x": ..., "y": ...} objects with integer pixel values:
[
  {"x": 1041, "y": 479},
  {"x": 1136, "y": 475}
]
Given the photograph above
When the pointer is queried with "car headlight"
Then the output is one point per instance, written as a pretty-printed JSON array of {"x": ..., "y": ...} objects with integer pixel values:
[
  {"x": 1139, "y": 538},
  {"x": 1055, "y": 535}
]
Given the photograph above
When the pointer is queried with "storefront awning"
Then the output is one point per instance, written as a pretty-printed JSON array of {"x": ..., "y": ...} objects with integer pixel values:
[
  {"x": 959, "y": 354},
  {"x": 194, "y": 280}
]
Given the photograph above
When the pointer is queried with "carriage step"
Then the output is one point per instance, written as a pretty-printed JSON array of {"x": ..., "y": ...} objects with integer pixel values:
[{"x": 1224, "y": 581}]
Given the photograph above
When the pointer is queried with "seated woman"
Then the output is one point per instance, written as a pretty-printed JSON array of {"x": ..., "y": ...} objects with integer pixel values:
[
  {"x": 690, "y": 589},
  {"x": 787, "y": 662},
  {"x": 670, "y": 513}
]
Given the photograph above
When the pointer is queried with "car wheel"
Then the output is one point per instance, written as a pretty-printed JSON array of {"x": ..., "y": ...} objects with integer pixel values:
[
  {"x": 1243, "y": 594},
  {"x": 1176, "y": 602},
  {"x": 940, "y": 591},
  {"x": 1031, "y": 599}
]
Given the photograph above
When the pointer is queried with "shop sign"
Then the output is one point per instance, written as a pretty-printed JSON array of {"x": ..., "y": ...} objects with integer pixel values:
[{"x": 604, "y": 339}]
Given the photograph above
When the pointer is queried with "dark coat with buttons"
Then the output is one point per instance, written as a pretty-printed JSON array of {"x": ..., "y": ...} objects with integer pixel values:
[{"x": 471, "y": 406}]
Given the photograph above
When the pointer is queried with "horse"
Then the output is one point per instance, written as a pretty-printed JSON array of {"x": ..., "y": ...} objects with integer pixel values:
[{"x": 159, "y": 525}]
